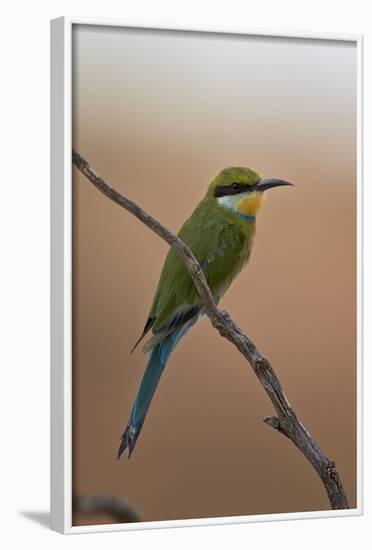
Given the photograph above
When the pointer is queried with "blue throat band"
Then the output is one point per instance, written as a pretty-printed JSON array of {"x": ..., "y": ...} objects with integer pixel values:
[{"x": 246, "y": 217}]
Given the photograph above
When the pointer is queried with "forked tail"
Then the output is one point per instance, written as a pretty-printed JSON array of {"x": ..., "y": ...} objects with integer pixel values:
[{"x": 158, "y": 357}]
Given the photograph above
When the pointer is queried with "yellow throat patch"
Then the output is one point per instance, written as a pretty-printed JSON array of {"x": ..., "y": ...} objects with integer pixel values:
[{"x": 250, "y": 205}]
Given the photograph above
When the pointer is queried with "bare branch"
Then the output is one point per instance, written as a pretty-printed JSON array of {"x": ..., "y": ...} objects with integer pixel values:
[
  {"x": 286, "y": 421},
  {"x": 116, "y": 508}
]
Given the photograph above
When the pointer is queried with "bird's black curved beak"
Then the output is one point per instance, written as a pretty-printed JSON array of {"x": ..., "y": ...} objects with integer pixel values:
[{"x": 264, "y": 185}]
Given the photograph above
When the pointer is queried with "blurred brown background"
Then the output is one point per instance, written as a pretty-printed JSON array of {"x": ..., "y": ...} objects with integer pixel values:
[{"x": 158, "y": 114}]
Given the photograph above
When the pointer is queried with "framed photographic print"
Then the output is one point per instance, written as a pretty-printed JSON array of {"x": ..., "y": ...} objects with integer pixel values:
[{"x": 206, "y": 288}]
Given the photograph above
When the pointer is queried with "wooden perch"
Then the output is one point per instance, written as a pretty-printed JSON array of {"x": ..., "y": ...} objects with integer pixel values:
[
  {"x": 109, "y": 505},
  {"x": 286, "y": 421}
]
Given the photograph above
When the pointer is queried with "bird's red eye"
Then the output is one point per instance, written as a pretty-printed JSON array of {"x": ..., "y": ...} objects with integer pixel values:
[{"x": 236, "y": 186}]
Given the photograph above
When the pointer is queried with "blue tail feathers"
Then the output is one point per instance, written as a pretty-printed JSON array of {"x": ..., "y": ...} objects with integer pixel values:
[{"x": 158, "y": 357}]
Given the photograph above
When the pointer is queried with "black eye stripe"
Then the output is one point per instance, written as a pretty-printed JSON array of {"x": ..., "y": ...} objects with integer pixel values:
[{"x": 234, "y": 189}]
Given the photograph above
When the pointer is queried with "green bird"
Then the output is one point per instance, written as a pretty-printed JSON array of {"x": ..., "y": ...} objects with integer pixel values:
[{"x": 220, "y": 233}]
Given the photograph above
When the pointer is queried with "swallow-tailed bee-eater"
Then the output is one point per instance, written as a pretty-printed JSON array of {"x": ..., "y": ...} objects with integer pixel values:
[{"x": 220, "y": 233}]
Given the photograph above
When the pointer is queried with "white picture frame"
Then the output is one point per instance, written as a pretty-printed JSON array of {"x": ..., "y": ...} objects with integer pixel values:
[{"x": 61, "y": 288}]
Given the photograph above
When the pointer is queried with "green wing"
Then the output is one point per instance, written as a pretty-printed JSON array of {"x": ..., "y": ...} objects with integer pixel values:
[{"x": 221, "y": 243}]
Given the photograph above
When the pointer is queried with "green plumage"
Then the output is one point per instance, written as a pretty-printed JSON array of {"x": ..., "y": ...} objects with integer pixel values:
[
  {"x": 220, "y": 241},
  {"x": 220, "y": 233}
]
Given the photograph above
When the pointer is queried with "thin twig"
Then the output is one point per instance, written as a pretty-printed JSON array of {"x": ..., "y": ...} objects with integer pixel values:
[
  {"x": 286, "y": 421},
  {"x": 116, "y": 508}
]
